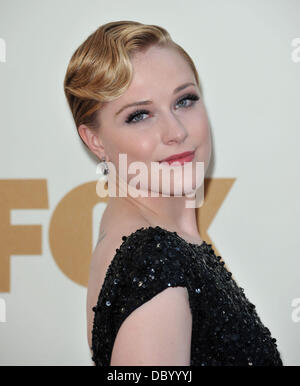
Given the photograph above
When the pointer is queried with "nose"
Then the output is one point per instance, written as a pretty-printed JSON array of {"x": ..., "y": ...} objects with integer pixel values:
[{"x": 172, "y": 129}]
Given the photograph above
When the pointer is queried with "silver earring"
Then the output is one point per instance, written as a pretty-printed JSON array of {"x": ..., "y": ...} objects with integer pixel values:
[{"x": 102, "y": 169}]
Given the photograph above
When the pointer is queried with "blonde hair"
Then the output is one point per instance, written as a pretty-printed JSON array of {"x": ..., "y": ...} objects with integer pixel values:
[{"x": 100, "y": 69}]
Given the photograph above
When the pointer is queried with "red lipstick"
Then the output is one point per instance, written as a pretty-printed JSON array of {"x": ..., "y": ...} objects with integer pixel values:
[{"x": 181, "y": 158}]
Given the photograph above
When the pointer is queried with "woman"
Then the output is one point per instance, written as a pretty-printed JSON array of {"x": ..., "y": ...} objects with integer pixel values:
[{"x": 157, "y": 293}]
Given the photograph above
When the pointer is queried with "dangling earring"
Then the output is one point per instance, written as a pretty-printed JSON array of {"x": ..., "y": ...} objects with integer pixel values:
[{"x": 102, "y": 169}]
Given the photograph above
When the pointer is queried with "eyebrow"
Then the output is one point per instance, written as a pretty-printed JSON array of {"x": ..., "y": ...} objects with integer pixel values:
[{"x": 177, "y": 89}]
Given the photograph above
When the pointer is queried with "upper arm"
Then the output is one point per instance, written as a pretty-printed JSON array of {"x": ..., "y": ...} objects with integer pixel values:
[{"x": 157, "y": 333}]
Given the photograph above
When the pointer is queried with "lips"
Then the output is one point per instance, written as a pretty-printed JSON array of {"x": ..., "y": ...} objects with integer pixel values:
[{"x": 182, "y": 157}]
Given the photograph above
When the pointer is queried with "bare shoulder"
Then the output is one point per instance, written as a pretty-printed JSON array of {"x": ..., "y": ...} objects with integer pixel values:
[
  {"x": 114, "y": 225},
  {"x": 150, "y": 336},
  {"x": 111, "y": 230},
  {"x": 141, "y": 339}
]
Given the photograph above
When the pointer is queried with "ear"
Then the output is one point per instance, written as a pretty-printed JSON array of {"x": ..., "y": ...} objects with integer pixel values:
[{"x": 92, "y": 140}]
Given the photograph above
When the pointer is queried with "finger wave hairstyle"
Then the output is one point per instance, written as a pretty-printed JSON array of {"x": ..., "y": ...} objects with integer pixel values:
[{"x": 100, "y": 70}]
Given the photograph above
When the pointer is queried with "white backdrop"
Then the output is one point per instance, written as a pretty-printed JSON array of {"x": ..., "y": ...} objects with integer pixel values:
[{"x": 250, "y": 74}]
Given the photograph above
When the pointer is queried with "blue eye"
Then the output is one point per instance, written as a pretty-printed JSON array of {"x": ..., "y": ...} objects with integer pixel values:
[
  {"x": 136, "y": 115},
  {"x": 132, "y": 116},
  {"x": 189, "y": 97}
]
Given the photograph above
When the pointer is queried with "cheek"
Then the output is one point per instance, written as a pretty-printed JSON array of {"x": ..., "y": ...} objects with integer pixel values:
[
  {"x": 199, "y": 124},
  {"x": 202, "y": 134},
  {"x": 138, "y": 146},
  {"x": 144, "y": 147}
]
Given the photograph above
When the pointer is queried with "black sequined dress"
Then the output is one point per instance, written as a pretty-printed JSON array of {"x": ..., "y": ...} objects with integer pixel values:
[{"x": 226, "y": 329}]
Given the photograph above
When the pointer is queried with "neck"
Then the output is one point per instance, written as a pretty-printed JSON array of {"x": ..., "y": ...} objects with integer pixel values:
[{"x": 166, "y": 212}]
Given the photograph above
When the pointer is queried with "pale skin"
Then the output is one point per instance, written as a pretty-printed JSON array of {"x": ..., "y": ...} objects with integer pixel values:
[{"x": 150, "y": 336}]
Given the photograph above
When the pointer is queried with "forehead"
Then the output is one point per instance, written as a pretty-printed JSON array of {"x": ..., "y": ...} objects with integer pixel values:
[
  {"x": 159, "y": 67},
  {"x": 156, "y": 73}
]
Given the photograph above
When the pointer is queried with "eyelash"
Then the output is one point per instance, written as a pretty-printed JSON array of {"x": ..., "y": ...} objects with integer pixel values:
[{"x": 129, "y": 119}]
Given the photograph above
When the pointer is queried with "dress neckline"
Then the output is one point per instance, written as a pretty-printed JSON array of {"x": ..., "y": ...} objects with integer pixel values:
[
  {"x": 173, "y": 232},
  {"x": 125, "y": 238}
]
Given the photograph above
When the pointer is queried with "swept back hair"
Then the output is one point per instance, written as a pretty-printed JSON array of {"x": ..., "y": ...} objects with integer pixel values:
[{"x": 100, "y": 70}]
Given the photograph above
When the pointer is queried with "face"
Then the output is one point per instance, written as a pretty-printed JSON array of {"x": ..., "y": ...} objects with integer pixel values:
[{"x": 173, "y": 120}]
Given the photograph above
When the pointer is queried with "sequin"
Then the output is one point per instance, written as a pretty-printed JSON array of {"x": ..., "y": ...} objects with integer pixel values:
[{"x": 227, "y": 330}]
